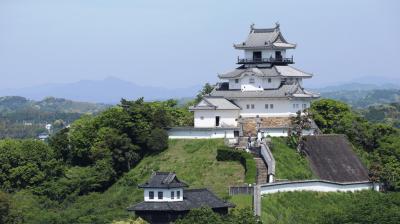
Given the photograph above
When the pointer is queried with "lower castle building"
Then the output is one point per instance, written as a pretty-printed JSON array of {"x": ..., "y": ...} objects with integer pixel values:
[{"x": 166, "y": 199}]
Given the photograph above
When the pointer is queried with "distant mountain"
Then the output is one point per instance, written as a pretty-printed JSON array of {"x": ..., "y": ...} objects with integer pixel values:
[
  {"x": 354, "y": 86},
  {"x": 109, "y": 90},
  {"x": 364, "y": 98},
  {"x": 16, "y": 104},
  {"x": 24, "y": 118}
]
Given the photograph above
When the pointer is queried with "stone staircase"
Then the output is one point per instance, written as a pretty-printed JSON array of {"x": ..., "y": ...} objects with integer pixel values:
[{"x": 262, "y": 171}]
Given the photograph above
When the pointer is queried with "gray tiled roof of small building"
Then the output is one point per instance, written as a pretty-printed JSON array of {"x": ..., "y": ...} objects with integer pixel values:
[
  {"x": 219, "y": 103},
  {"x": 163, "y": 180},
  {"x": 192, "y": 198},
  {"x": 285, "y": 91},
  {"x": 283, "y": 70},
  {"x": 264, "y": 38}
]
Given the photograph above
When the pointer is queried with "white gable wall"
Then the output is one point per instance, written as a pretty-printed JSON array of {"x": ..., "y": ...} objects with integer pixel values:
[{"x": 206, "y": 118}]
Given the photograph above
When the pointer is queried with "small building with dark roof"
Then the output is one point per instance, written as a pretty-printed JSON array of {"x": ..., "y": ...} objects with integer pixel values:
[{"x": 166, "y": 199}]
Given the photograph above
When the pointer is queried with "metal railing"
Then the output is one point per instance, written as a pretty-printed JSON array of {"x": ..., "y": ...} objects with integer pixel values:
[{"x": 265, "y": 60}]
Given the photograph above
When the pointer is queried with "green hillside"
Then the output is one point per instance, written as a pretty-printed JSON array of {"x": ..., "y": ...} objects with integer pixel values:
[
  {"x": 290, "y": 165},
  {"x": 193, "y": 160},
  {"x": 316, "y": 207},
  {"x": 24, "y": 118},
  {"x": 384, "y": 113}
]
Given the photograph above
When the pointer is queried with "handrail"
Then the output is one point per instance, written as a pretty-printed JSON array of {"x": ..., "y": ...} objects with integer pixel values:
[{"x": 268, "y": 158}]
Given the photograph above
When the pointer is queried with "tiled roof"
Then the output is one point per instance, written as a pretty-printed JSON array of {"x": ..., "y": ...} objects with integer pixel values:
[
  {"x": 163, "y": 180},
  {"x": 216, "y": 103},
  {"x": 285, "y": 91},
  {"x": 289, "y": 71},
  {"x": 277, "y": 70},
  {"x": 265, "y": 38},
  {"x": 192, "y": 198}
]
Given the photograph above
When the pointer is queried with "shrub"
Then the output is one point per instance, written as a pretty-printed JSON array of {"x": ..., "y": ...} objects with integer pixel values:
[
  {"x": 4, "y": 207},
  {"x": 158, "y": 140},
  {"x": 247, "y": 161}
]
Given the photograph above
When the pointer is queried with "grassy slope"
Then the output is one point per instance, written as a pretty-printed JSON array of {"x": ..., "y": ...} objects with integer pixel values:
[
  {"x": 318, "y": 207},
  {"x": 289, "y": 164},
  {"x": 193, "y": 160},
  {"x": 242, "y": 201}
]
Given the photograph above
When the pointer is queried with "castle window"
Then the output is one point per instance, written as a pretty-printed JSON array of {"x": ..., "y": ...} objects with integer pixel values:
[
  {"x": 172, "y": 194},
  {"x": 266, "y": 106},
  {"x": 271, "y": 106},
  {"x": 151, "y": 194},
  {"x": 178, "y": 195},
  {"x": 304, "y": 106},
  {"x": 248, "y": 106},
  {"x": 236, "y": 80},
  {"x": 160, "y": 195},
  {"x": 251, "y": 80},
  {"x": 252, "y": 106},
  {"x": 201, "y": 118},
  {"x": 269, "y": 80}
]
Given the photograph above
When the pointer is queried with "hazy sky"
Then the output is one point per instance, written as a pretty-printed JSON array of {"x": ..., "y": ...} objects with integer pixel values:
[{"x": 181, "y": 43}]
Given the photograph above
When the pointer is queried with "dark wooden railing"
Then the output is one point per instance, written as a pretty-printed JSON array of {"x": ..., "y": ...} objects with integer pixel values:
[{"x": 265, "y": 60}]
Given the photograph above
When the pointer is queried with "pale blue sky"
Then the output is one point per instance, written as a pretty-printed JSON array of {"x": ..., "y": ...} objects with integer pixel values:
[{"x": 182, "y": 43}]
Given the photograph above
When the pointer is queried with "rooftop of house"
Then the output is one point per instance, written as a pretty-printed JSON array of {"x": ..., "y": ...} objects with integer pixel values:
[
  {"x": 219, "y": 103},
  {"x": 192, "y": 198},
  {"x": 266, "y": 71},
  {"x": 284, "y": 91},
  {"x": 270, "y": 38},
  {"x": 163, "y": 180}
]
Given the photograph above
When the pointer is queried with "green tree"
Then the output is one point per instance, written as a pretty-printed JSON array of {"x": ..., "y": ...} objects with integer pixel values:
[
  {"x": 301, "y": 122},
  {"x": 207, "y": 89},
  {"x": 61, "y": 145},
  {"x": 158, "y": 140},
  {"x": 327, "y": 113},
  {"x": 200, "y": 216},
  {"x": 26, "y": 163},
  {"x": 4, "y": 207},
  {"x": 117, "y": 145},
  {"x": 242, "y": 216}
]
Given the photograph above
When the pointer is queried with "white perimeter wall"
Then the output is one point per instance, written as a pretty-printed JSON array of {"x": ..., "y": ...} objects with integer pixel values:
[
  {"x": 166, "y": 194},
  {"x": 282, "y": 107},
  {"x": 281, "y": 132},
  {"x": 206, "y": 118},
  {"x": 319, "y": 186},
  {"x": 191, "y": 133}
]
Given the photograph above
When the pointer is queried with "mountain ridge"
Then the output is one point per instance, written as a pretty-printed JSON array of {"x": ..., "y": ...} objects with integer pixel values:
[{"x": 109, "y": 90}]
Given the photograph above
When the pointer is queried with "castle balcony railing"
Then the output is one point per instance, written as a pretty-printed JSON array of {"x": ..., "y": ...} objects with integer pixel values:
[{"x": 270, "y": 60}]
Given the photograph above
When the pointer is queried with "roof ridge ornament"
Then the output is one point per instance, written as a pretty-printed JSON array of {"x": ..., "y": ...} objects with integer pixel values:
[
  {"x": 251, "y": 27},
  {"x": 277, "y": 25}
]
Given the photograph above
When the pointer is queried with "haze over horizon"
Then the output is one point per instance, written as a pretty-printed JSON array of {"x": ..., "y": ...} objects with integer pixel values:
[{"x": 179, "y": 44}]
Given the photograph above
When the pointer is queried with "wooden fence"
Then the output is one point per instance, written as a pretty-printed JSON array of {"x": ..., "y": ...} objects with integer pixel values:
[{"x": 235, "y": 190}]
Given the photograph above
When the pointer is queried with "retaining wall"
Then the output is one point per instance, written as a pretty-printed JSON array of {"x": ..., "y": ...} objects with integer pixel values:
[{"x": 316, "y": 185}]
